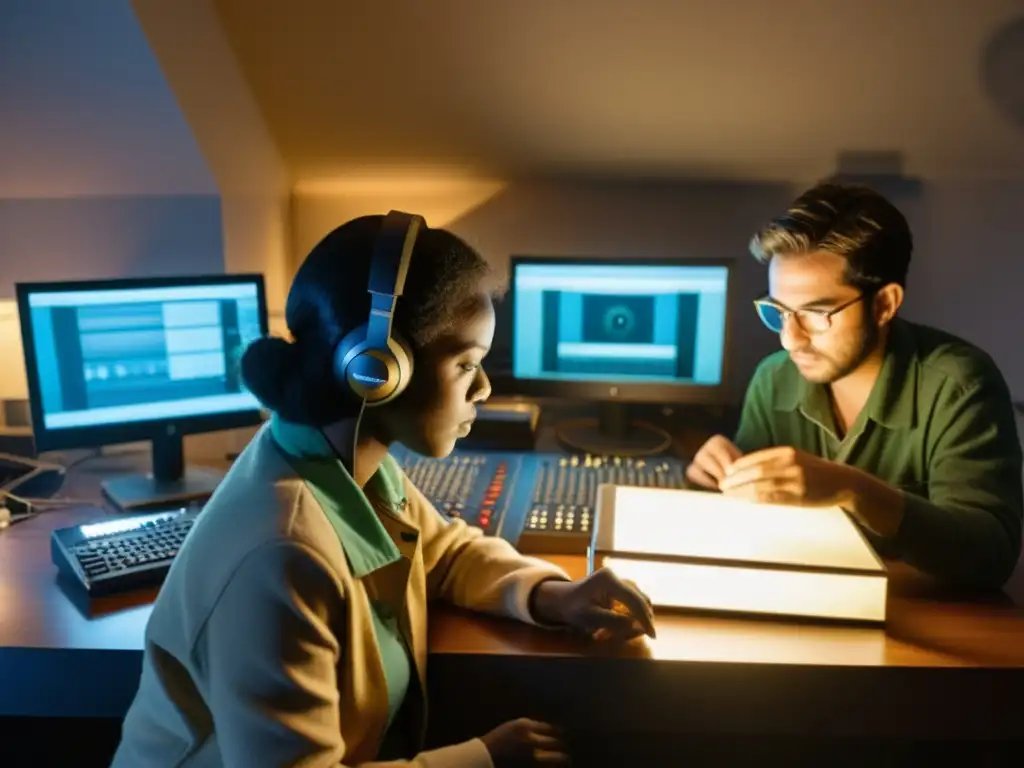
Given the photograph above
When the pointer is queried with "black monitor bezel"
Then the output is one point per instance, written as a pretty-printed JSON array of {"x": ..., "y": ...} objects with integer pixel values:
[
  {"x": 114, "y": 434},
  {"x": 626, "y": 392}
]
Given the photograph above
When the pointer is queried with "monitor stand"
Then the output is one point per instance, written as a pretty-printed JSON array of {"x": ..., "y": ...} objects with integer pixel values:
[
  {"x": 613, "y": 433},
  {"x": 170, "y": 483}
]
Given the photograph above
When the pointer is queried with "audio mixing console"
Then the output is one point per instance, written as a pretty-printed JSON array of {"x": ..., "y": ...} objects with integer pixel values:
[{"x": 543, "y": 503}]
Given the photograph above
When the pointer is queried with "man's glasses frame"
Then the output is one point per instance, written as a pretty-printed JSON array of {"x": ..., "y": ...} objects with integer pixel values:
[{"x": 809, "y": 320}]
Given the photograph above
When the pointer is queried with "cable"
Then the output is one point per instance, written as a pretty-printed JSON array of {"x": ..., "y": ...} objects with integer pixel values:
[
  {"x": 94, "y": 453},
  {"x": 14, "y": 508},
  {"x": 52, "y": 501},
  {"x": 355, "y": 431},
  {"x": 350, "y": 456}
]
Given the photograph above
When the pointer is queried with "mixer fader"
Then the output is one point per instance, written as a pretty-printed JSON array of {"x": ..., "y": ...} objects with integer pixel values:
[
  {"x": 473, "y": 486},
  {"x": 541, "y": 502}
]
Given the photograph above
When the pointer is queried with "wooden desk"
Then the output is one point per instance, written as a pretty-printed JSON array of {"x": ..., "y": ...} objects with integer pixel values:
[{"x": 947, "y": 665}]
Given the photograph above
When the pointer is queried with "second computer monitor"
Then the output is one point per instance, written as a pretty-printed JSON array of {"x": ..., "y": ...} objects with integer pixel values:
[
  {"x": 620, "y": 331},
  {"x": 116, "y": 361},
  {"x": 654, "y": 331}
]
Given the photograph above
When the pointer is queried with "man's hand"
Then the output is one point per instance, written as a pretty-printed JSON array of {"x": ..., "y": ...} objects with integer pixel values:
[
  {"x": 786, "y": 475},
  {"x": 712, "y": 460},
  {"x": 601, "y": 604}
]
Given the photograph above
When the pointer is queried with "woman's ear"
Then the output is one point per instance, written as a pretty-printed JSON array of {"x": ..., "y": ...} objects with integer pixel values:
[{"x": 888, "y": 300}]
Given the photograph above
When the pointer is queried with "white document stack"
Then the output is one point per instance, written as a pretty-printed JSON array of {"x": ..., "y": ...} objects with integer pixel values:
[{"x": 708, "y": 552}]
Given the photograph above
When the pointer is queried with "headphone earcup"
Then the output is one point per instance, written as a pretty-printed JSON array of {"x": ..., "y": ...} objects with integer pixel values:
[
  {"x": 402, "y": 354},
  {"x": 375, "y": 376},
  {"x": 344, "y": 352}
]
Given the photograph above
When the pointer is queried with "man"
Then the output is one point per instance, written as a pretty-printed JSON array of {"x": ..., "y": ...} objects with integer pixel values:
[{"x": 909, "y": 429}]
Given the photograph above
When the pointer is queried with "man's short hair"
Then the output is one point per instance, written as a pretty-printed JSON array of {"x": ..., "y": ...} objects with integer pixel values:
[{"x": 847, "y": 220}]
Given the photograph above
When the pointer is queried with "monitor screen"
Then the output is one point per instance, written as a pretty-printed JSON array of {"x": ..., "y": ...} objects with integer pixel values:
[
  {"x": 597, "y": 321},
  {"x": 140, "y": 352}
]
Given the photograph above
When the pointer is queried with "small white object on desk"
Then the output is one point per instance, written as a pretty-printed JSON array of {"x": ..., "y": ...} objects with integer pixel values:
[{"x": 709, "y": 552}]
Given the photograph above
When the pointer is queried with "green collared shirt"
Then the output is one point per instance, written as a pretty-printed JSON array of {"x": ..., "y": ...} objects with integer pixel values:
[
  {"x": 367, "y": 544},
  {"x": 938, "y": 424}
]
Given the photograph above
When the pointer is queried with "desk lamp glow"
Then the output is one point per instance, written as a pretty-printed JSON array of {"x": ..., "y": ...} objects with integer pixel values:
[{"x": 707, "y": 552}]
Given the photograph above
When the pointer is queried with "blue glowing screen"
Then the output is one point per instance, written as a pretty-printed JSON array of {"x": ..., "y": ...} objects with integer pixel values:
[
  {"x": 110, "y": 356},
  {"x": 628, "y": 323}
]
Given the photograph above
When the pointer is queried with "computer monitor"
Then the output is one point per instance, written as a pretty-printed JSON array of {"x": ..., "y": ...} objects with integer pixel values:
[
  {"x": 618, "y": 332},
  {"x": 118, "y": 361}
]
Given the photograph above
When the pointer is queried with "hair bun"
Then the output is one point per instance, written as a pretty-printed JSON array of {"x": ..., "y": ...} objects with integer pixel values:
[
  {"x": 267, "y": 365},
  {"x": 294, "y": 384}
]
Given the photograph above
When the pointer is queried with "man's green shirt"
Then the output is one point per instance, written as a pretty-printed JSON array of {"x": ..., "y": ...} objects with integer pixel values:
[{"x": 939, "y": 425}]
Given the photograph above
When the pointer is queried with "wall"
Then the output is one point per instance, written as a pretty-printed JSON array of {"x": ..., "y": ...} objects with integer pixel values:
[
  {"x": 968, "y": 276},
  {"x": 441, "y": 195},
  {"x": 99, "y": 173},
  {"x": 86, "y": 110},
  {"x": 251, "y": 175},
  {"x": 965, "y": 277},
  {"x": 108, "y": 236}
]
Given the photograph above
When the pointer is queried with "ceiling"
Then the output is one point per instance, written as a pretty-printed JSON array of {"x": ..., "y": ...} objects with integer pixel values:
[{"x": 734, "y": 89}]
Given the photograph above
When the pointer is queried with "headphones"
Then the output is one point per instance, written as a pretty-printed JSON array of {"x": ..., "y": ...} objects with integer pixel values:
[{"x": 372, "y": 361}]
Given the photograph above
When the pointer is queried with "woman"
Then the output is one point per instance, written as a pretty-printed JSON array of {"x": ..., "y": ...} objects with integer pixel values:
[{"x": 292, "y": 628}]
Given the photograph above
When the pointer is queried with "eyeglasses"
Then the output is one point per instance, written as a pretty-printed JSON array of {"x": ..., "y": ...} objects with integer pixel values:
[{"x": 774, "y": 315}]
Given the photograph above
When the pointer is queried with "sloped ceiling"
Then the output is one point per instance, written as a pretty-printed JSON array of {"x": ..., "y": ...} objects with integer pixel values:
[
  {"x": 744, "y": 89},
  {"x": 85, "y": 109}
]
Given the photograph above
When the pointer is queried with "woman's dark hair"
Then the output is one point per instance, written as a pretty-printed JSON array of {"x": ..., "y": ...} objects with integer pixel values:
[
  {"x": 328, "y": 298},
  {"x": 848, "y": 220}
]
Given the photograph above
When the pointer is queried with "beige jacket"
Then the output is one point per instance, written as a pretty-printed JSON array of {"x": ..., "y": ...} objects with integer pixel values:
[{"x": 260, "y": 650}]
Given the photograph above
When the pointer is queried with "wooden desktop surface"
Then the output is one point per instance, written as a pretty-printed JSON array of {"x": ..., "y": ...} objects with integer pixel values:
[{"x": 946, "y": 664}]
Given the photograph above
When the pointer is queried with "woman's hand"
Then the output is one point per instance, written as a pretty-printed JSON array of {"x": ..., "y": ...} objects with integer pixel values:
[
  {"x": 525, "y": 742},
  {"x": 601, "y": 604}
]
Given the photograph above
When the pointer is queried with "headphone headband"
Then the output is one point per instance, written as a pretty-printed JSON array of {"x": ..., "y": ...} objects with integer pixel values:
[{"x": 388, "y": 268}]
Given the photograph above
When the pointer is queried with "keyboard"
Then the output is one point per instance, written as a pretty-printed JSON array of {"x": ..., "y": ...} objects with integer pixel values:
[
  {"x": 123, "y": 554},
  {"x": 541, "y": 503}
]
